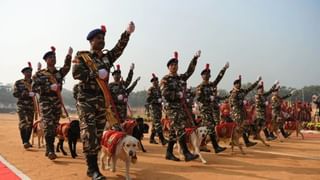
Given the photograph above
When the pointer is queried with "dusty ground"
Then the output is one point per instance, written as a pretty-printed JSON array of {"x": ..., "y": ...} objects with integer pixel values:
[{"x": 293, "y": 159}]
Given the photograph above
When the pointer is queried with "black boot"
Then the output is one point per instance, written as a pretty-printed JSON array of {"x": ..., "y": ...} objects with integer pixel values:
[
  {"x": 50, "y": 147},
  {"x": 28, "y": 135},
  {"x": 169, "y": 154},
  {"x": 187, "y": 155},
  {"x": 162, "y": 139},
  {"x": 266, "y": 133},
  {"x": 216, "y": 147},
  {"x": 23, "y": 134},
  {"x": 93, "y": 169},
  {"x": 246, "y": 140},
  {"x": 284, "y": 134},
  {"x": 152, "y": 140}
]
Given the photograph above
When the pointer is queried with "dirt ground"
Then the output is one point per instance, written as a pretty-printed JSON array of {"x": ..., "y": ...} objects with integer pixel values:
[{"x": 292, "y": 159}]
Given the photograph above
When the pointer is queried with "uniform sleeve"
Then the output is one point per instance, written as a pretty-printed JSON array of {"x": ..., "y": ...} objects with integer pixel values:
[
  {"x": 219, "y": 77},
  {"x": 131, "y": 88},
  {"x": 17, "y": 92},
  {"x": 233, "y": 99},
  {"x": 149, "y": 96},
  {"x": 80, "y": 71},
  {"x": 128, "y": 79},
  {"x": 116, "y": 52},
  {"x": 268, "y": 93},
  {"x": 66, "y": 66},
  {"x": 192, "y": 66},
  {"x": 250, "y": 88}
]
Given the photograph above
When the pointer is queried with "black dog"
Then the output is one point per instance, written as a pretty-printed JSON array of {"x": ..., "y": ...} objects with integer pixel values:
[
  {"x": 140, "y": 129},
  {"x": 70, "y": 131}
]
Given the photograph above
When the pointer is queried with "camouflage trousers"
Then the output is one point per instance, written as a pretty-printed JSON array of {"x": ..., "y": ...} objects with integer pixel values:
[
  {"x": 50, "y": 108},
  {"x": 26, "y": 115},
  {"x": 216, "y": 115},
  {"x": 92, "y": 113},
  {"x": 178, "y": 122},
  {"x": 208, "y": 120},
  {"x": 276, "y": 118},
  {"x": 238, "y": 116},
  {"x": 122, "y": 111},
  {"x": 260, "y": 120},
  {"x": 156, "y": 114}
]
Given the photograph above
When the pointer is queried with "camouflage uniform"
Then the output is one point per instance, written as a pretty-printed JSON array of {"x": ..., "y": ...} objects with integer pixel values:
[
  {"x": 25, "y": 108},
  {"x": 170, "y": 87},
  {"x": 216, "y": 106},
  {"x": 236, "y": 99},
  {"x": 204, "y": 93},
  {"x": 50, "y": 103},
  {"x": 154, "y": 105},
  {"x": 92, "y": 110},
  {"x": 120, "y": 88},
  {"x": 276, "y": 101}
]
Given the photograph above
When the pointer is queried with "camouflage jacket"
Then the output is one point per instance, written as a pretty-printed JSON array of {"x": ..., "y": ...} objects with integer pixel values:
[
  {"x": 76, "y": 91},
  {"x": 42, "y": 82},
  {"x": 237, "y": 97},
  {"x": 153, "y": 96},
  {"x": 205, "y": 90},
  {"x": 276, "y": 101},
  {"x": 189, "y": 97},
  {"x": 81, "y": 71},
  {"x": 171, "y": 85},
  {"x": 119, "y": 88},
  {"x": 21, "y": 91},
  {"x": 260, "y": 103}
]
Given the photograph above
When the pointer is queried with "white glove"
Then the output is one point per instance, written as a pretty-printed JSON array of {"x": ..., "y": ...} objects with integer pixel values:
[
  {"x": 259, "y": 78},
  {"x": 120, "y": 97},
  {"x": 31, "y": 94},
  {"x": 70, "y": 51},
  {"x": 188, "y": 100},
  {"x": 138, "y": 79},
  {"x": 211, "y": 98},
  {"x": 131, "y": 27},
  {"x": 266, "y": 103},
  {"x": 227, "y": 65},
  {"x": 54, "y": 87},
  {"x": 198, "y": 53},
  {"x": 276, "y": 82},
  {"x": 159, "y": 100},
  {"x": 103, "y": 73},
  {"x": 132, "y": 66},
  {"x": 180, "y": 94}
]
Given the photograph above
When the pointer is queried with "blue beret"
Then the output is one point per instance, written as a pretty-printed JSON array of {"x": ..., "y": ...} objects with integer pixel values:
[
  {"x": 50, "y": 53},
  {"x": 154, "y": 79},
  {"x": 238, "y": 81},
  {"x": 171, "y": 61},
  {"x": 95, "y": 32},
  {"x": 115, "y": 72},
  {"x": 205, "y": 71},
  {"x": 26, "y": 69}
]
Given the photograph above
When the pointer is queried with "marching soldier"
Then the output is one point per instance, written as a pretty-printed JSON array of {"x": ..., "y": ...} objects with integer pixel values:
[
  {"x": 205, "y": 98},
  {"x": 91, "y": 100},
  {"x": 237, "y": 95},
  {"x": 25, "y": 105},
  {"x": 261, "y": 105},
  {"x": 48, "y": 84},
  {"x": 217, "y": 99},
  {"x": 172, "y": 91},
  {"x": 189, "y": 100},
  {"x": 276, "y": 101},
  {"x": 154, "y": 104},
  {"x": 120, "y": 91}
]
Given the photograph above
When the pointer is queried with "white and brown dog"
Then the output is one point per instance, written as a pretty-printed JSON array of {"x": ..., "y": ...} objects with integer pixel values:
[
  {"x": 118, "y": 145},
  {"x": 38, "y": 131},
  {"x": 194, "y": 138}
]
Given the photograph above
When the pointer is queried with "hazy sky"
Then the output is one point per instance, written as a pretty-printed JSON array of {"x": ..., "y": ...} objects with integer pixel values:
[{"x": 277, "y": 39}]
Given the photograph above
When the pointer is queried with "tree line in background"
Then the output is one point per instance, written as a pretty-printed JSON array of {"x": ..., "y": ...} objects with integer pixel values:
[{"x": 137, "y": 99}]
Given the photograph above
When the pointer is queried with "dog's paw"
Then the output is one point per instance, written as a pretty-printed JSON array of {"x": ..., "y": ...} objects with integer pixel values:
[
  {"x": 204, "y": 162},
  {"x": 144, "y": 150}
]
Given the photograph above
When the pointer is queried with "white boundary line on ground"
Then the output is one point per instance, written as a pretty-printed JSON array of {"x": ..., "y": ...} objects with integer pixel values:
[
  {"x": 14, "y": 169},
  {"x": 286, "y": 154}
]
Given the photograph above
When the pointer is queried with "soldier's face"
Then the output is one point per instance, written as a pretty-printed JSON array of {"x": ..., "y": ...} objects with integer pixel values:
[
  {"x": 97, "y": 42},
  {"x": 238, "y": 85},
  {"x": 206, "y": 76},
  {"x": 155, "y": 83},
  {"x": 173, "y": 68},
  {"x": 27, "y": 74},
  {"x": 117, "y": 77},
  {"x": 51, "y": 60}
]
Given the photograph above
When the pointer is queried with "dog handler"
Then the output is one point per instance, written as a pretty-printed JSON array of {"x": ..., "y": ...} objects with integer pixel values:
[
  {"x": 91, "y": 100},
  {"x": 48, "y": 84}
]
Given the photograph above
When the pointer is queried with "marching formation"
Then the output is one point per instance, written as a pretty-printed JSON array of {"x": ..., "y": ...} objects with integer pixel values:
[{"x": 188, "y": 117}]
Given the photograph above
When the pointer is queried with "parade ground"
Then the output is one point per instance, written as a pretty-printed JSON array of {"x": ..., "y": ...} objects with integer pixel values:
[{"x": 292, "y": 159}]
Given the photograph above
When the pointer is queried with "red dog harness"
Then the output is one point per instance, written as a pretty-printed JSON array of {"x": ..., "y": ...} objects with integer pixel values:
[
  {"x": 225, "y": 129},
  {"x": 128, "y": 126},
  {"x": 111, "y": 138},
  {"x": 60, "y": 127}
]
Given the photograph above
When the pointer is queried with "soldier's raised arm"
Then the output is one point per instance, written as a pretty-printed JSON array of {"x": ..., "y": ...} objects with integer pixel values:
[
  {"x": 67, "y": 63},
  {"x": 271, "y": 89},
  {"x": 116, "y": 52},
  {"x": 250, "y": 88},
  {"x": 134, "y": 84},
  {"x": 220, "y": 75},
  {"x": 129, "y": 77},
  {"x": 192, "y": 66}
]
